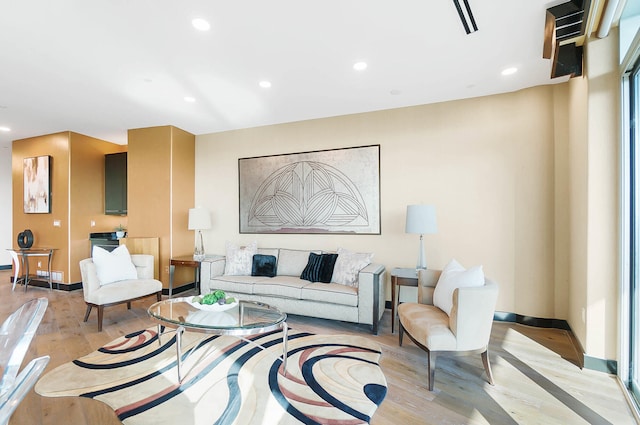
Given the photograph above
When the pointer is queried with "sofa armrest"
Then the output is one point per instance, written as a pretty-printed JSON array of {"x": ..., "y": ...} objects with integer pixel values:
[
  {"x": 371, "y": 295},
  {"x": 210, "y": 267}
]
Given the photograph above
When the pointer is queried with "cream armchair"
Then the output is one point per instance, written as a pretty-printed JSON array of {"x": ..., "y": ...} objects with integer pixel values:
[
  {"x": 123, "y": 291},
  {"x": 466, "y": 330}
]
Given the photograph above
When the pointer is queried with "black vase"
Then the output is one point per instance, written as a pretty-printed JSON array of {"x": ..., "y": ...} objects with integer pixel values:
[{"x": 25, "y": 239}]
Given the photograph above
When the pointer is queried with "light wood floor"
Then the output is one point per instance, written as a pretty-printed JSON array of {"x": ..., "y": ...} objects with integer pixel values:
[{"x": 537, "y": 380}]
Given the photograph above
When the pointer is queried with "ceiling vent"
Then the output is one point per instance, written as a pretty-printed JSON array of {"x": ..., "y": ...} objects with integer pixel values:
[{"x": 565, "y": 28}]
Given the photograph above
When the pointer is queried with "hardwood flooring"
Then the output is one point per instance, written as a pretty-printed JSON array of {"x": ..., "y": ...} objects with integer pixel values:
[{"x": 537, "y": 380}]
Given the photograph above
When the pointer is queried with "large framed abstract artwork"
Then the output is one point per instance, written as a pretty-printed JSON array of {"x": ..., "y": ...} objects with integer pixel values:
[
  {"x": 37, "y": 184},
  {"x": 328, "y": 191}
]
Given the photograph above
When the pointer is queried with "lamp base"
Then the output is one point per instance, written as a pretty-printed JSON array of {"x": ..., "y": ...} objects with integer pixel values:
[
  {"x": 198, "y": 252},
  {"x": 422, "y": 258}
]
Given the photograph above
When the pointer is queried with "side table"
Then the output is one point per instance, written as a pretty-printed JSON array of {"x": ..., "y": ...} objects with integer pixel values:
[
  {"x": 185, "y": 261},
  {"x": 400, "y": 277}
]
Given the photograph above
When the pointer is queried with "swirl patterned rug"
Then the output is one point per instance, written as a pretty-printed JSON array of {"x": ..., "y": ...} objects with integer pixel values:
[{"x": 331, "y": 379}]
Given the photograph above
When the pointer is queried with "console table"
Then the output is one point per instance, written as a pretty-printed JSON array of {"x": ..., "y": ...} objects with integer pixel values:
[{"x": 26, "y": 253}]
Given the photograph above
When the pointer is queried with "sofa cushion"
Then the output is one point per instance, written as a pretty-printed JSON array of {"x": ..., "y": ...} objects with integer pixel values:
[
  {"x": 113, "y": 266},
  {"x": 239, "y": 259},
  {"x": 348, "y": 265},
  {"x": 232, "y": 283},
  {"x": 319, "y": 268},
  {"x": 333, "y": 293},
  {"x": 282, "y": 286},
  {"x": 263, "y": 265},
  {"x": 455, "y": 276},
  {"x": 428, "y": 325},
  {"x": 291, "y": 262}
]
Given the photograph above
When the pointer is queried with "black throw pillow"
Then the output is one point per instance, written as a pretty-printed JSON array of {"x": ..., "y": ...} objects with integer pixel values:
[
  {"x": 263, "y": 265},
  {"x": 319, "y": 268}
]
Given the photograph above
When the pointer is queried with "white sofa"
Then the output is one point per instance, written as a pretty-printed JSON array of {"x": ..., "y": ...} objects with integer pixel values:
[{"x": 362, "y": 304}]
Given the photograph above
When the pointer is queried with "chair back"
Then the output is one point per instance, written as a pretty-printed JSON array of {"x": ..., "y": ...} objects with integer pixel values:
[
  {"x": 472, "y": 314},
  {"x": 427, "y": 280},
  {"x": 27, "y": 378},
  {"x": 144, "y": 265}
]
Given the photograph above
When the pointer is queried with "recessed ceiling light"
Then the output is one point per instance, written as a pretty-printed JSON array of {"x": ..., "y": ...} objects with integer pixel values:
[
  {"x": 265, "y": 84},
  {"x": 200, "y": 24},
  {"x": 509, "y": 71},
  {"x": 360, "y": 66},
  {"x": 5, "y": 129},
  {"x": 189, "y": 99}
]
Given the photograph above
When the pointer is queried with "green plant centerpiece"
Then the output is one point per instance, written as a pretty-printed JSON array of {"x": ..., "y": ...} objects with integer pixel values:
[{"x": 217, "y": 296}]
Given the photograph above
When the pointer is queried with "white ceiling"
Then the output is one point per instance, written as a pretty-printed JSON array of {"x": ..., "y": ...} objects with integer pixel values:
[{"x": 102, "y": 67}]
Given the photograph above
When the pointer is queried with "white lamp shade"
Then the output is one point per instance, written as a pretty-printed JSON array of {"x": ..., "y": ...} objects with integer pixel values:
[
  {"x": 421, "y": 219},
  {"x": 199, "y": 219}
]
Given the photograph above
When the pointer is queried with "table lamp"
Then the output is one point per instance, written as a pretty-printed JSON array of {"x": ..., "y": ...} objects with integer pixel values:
[
  {"x": 421, "y": 219},
  {"x": 199, "y": 219}
]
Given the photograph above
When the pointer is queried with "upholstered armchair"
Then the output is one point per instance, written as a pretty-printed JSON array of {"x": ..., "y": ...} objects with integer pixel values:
[
  {"x": 466, "y": 329},
  {"x": 102, "y": 294}
]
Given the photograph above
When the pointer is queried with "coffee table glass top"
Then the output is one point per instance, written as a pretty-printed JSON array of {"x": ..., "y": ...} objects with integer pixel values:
[{"x": 247, "y": 317}]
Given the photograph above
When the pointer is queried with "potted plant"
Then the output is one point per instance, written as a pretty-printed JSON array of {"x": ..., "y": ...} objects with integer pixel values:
[{"x": 120, "y": 230}]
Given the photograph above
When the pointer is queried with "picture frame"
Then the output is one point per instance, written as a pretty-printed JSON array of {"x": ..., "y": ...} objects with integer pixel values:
[
  {"x": 333, "y": 191},
  {"x": 37, "y": 184}
]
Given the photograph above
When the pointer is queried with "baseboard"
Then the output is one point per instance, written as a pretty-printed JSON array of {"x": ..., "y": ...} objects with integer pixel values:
[
  {"x": 178, "y": 289},
  {"x": 45, "y": 284},
  {"x": 538, "y": 322},
  {"x": 601, "y": 365},
  {"x": 6, "y": 267}
]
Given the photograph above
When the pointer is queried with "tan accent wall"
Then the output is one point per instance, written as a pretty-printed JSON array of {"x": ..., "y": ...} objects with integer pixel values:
[
  {"x": 160, "y": 191},
  {"x": 77, "y": 197}
]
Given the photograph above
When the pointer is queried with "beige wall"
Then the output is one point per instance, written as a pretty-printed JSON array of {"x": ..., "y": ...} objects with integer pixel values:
[
  {"x": 524, "y": 183},
  {"x": 603, "y": 194},
  {"x": 486, "y": 163}
]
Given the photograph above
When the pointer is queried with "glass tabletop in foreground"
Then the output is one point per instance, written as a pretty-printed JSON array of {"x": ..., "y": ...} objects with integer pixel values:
[{"x": 246, "y": 317}]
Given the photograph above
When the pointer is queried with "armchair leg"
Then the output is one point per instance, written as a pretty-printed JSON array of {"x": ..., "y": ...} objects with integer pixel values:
[
  {"x": 100, "y": 315},
  {"x": 431, "y": 368},
  {"x": 400, "y": 334},
  {"x": 86, "y": 315},
  {"x": 128, "y": 305},
  {"x": 487, "y": 365},
  {"x": 159, "y": 296}
]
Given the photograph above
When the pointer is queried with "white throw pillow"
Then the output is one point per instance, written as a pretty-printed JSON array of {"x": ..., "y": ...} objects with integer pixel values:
[
  {"x": 113, "y": 266},
  {"x": 239, "y": 259},
  {"x": 455, "y": 276},
  {"x": 347, "y": 266}
]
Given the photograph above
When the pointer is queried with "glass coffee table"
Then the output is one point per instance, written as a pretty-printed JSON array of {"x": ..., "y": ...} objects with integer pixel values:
[{"x": 239, "y": 319}]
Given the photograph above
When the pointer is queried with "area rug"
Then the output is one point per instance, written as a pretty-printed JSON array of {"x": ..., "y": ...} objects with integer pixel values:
[{"x": 330, "y": 379}]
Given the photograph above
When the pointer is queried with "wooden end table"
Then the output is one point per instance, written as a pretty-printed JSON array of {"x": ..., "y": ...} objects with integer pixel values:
[
  {"x": 400, "y": 277},
  {"x": 184, "y": 261}
]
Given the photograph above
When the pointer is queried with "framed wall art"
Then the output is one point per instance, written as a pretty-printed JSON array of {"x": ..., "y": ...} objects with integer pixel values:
[
  {"x": 37, "y": 184},
  {"x": 328, "y": 191}
]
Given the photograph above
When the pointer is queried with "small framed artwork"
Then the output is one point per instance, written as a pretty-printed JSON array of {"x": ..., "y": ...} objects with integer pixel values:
[
  {"x": 37, "y": 184},
  {"x": 335, "y": 191}
]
